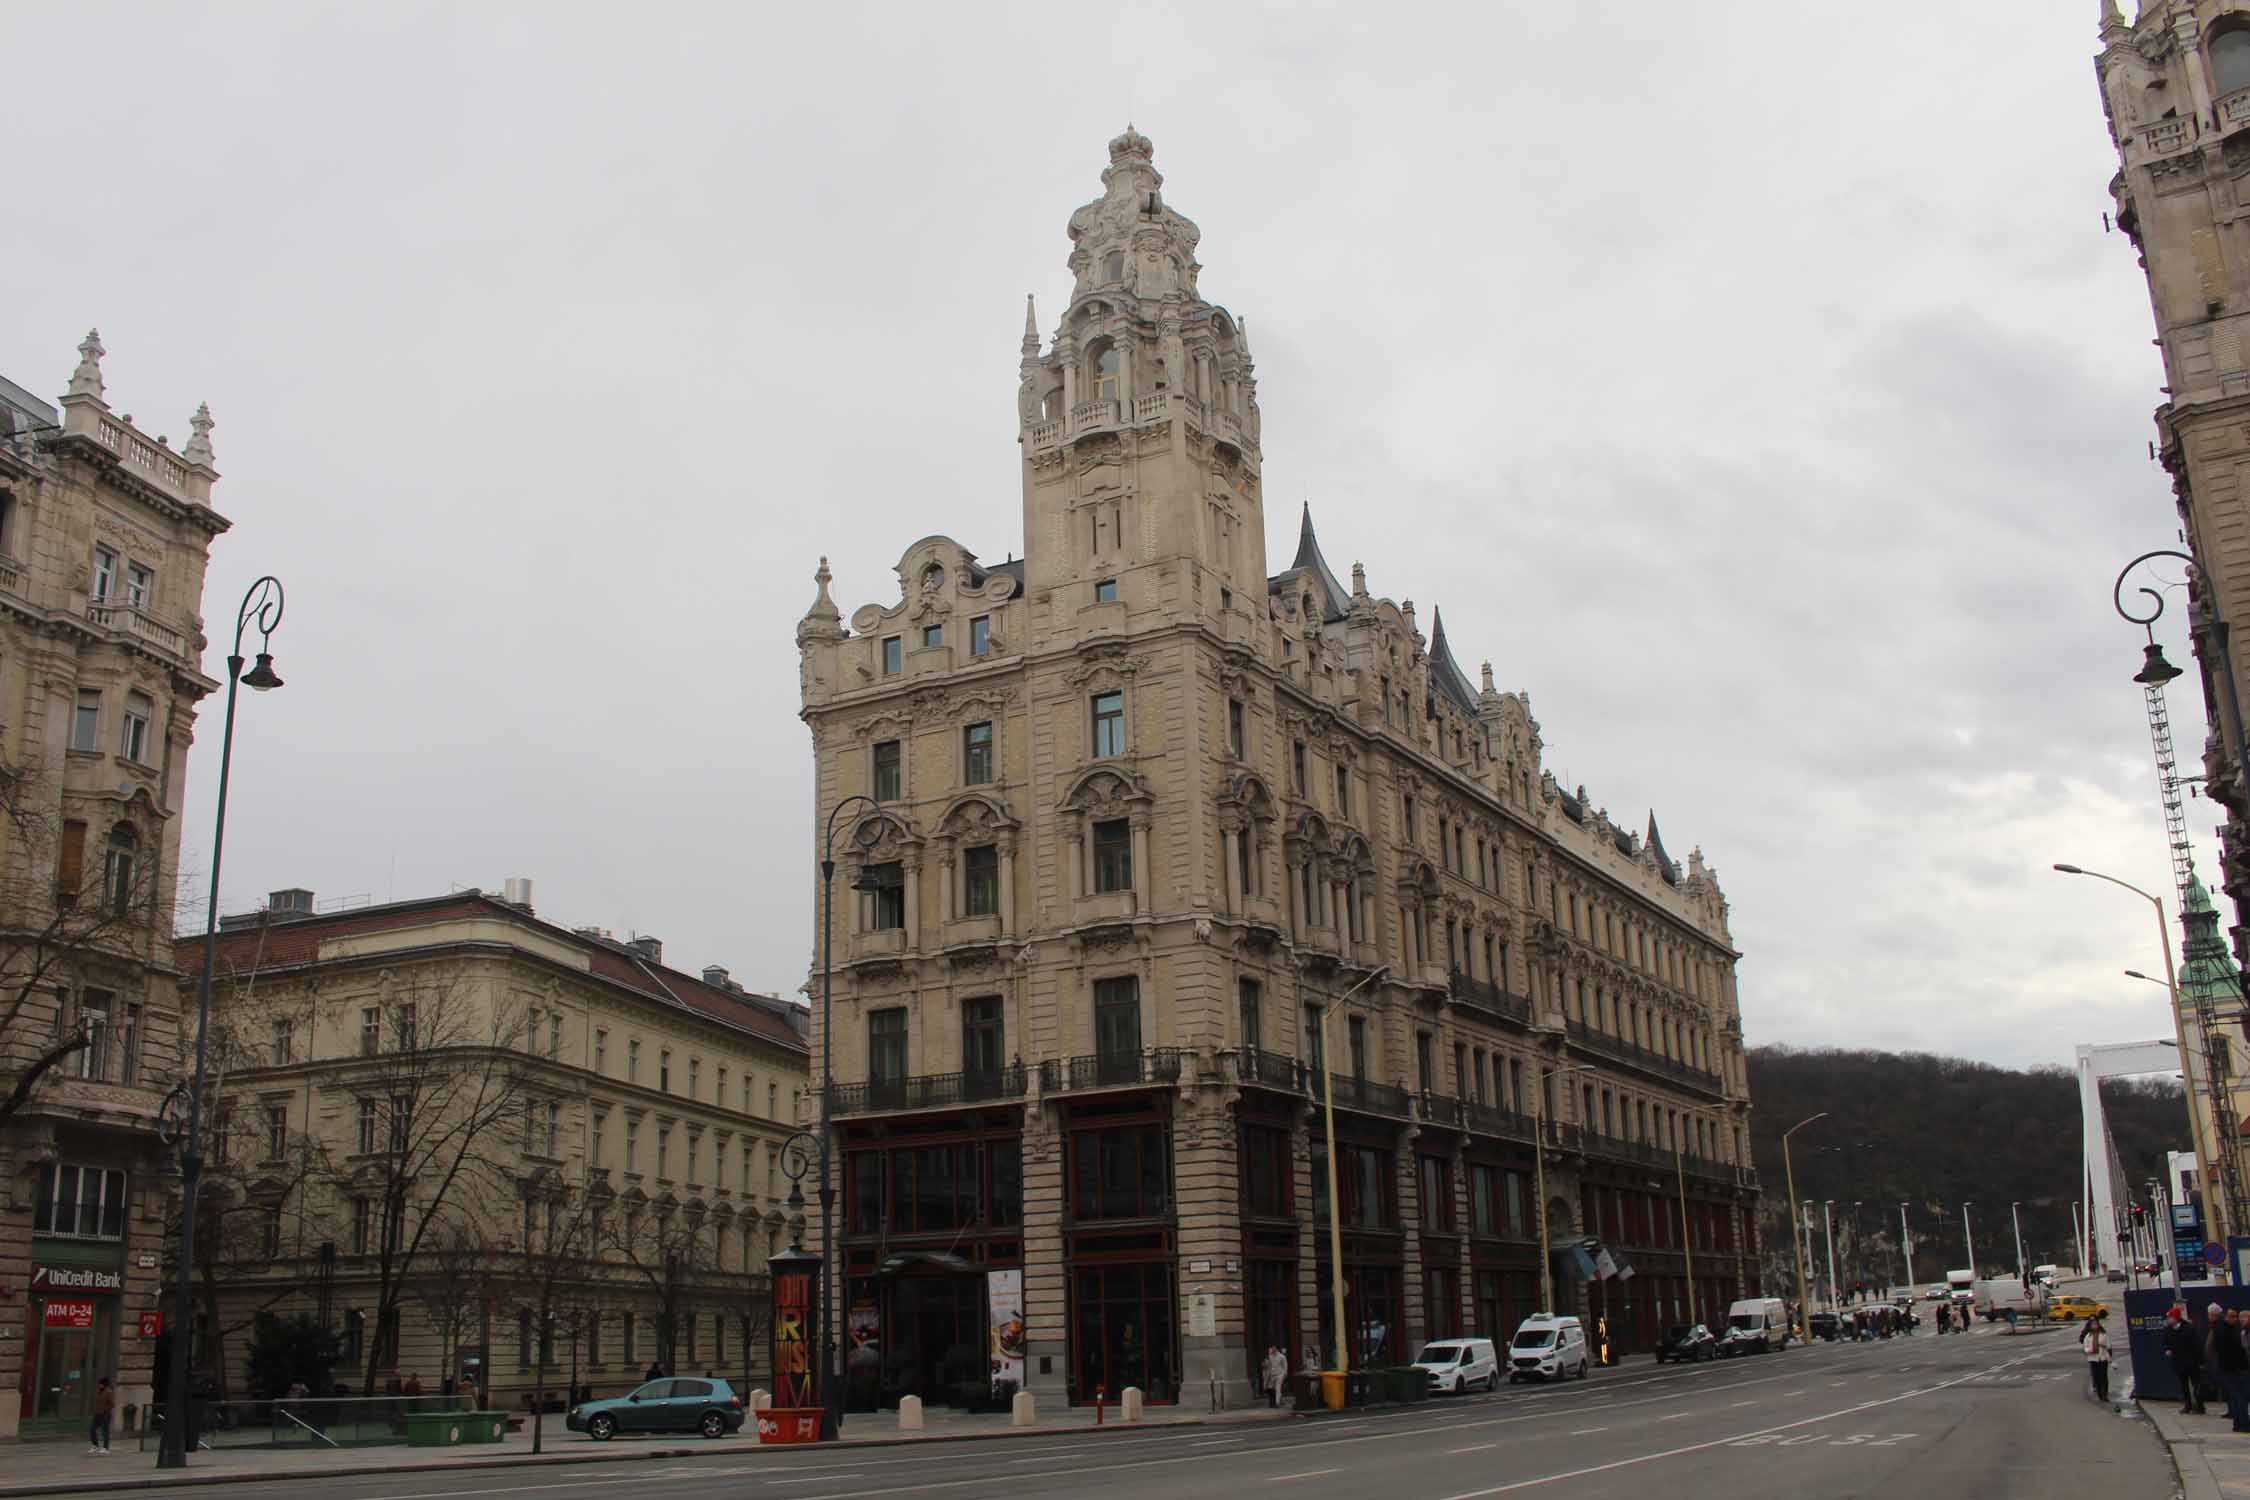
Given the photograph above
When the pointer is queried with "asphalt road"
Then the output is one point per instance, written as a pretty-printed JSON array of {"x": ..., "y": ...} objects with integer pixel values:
[{"x": 1988, "y": 1415}]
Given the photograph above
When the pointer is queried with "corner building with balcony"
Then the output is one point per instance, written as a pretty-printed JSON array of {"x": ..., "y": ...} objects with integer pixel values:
[
  {"x": 2175, "y": 88},
  {"x": 105, "y": 532},
  {"x": 1143, "y": 809}
]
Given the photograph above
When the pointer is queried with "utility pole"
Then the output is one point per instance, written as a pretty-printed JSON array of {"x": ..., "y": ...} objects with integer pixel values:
[
  {"x": 1828, "y": 1229},
  {"x": 1788, "y": 1167},
  {"x": 1906, "y": 1248}
]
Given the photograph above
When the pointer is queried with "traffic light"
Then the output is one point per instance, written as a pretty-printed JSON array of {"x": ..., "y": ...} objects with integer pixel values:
[{"x": 2140, "y": 1214}]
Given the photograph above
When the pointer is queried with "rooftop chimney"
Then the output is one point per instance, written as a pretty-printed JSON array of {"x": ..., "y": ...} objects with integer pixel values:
[
  {"x": 651, "y": 949},
  {"x": 516, "y": 891},
  {"x": 296, "y": 901},
  {"x": 715, "y": 976}
]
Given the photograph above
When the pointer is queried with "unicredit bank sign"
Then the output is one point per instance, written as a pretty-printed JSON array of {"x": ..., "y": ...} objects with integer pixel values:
[{"x": 76, "y": 1279}]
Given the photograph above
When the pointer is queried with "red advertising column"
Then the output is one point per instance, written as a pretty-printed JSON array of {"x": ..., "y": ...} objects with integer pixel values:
[{"x": 794, "y": 1416}]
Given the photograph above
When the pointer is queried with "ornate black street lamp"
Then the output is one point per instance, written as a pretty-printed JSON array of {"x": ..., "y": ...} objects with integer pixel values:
[
  {"x": 262, "y": 605},
  {"x": 864, "y": 837}
]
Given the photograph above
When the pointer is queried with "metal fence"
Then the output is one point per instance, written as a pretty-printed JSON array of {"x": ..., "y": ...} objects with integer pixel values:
[{"x": 308, "y": 1422}]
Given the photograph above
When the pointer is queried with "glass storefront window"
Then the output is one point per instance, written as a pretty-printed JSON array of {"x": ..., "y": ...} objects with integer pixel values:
[{"x": 70, "y": 1360}]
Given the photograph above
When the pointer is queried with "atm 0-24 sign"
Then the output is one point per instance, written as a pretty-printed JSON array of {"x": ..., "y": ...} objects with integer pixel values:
[{"x": 69, "y": 1312}]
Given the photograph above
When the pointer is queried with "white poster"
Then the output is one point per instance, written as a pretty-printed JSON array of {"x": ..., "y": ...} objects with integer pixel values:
[
  {"x": 1604, "y": 1264},
  {"x": 1003, "y": 1293}
]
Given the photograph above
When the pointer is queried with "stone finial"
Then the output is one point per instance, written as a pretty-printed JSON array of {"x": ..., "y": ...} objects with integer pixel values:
[
  {"x": 1359, "y": 580},
  {"x": 1486, "y": 675},
  {"x": 1406, "y": 613},
  {"x": 823, "y": 619},
  {"x": 1030, "y": 321},
  {"x": 198, "y": 450},
  {"x": 2111, "y": 15},
  {"x": 86, "y": 380},
  {"x": 1132, "y": 146}
]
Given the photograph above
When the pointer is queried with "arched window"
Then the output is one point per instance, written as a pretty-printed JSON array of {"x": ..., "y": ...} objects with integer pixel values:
[
  {"x": 1113, "y": 266},
  {"x": 2230, "y": 61},
  {"x": 1105, "y": 372},
  {"x": 117, "y": 871}
]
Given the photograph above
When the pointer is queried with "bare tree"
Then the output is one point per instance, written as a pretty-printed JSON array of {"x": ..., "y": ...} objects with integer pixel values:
[
  {"x": 672, "y": 1249},
  {"x": 454, "y": 1284},
  {"x": 553, "y": 1271},
  {"x": 71, "y": 896},
  {"x": 435, "y": 1087}
]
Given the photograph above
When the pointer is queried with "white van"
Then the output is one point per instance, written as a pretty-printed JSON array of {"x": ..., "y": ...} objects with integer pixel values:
[
  {"x": 1548, "y": 1348},
  {"x": 1755, "y": 1325},
  {"x": 1455, "y": 1365}
]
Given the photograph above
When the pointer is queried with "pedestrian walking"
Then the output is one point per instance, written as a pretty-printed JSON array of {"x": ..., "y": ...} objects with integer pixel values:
[
  {"x": 1276, "y": 1371},
  {"x": 2183, "y": 1350},
  {"x": 97, "y": 1431},
  {"x": 1944, "y": 1319},
  {"x": 2230, "y": 1364},
  {"x": 2096, "y": 1339}
]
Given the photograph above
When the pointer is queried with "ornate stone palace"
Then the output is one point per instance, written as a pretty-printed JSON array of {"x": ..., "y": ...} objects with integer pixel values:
[{"x": 1142, "y": 811}]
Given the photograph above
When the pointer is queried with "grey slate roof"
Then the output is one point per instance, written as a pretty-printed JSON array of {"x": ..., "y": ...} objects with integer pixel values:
[{"x": 1445, "y": 673}]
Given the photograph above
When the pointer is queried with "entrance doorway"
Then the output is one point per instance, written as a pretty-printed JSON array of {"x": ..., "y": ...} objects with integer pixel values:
[
  {"x": 1121, "y": 1324},
  {"x": 68, "y": 1343}
]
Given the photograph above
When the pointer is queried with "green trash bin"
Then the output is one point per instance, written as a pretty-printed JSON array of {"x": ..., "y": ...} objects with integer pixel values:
[
  {"x": 483, "y": 1426},
  {"x": 433, "y": 1429}
]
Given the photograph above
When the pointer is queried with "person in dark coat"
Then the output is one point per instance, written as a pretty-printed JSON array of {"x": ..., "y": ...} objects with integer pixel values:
[
  {"x": 2183, "y": 1349},
  {"x": 2230, "y": 1365},
  {"x": 655, "y": 1371}
]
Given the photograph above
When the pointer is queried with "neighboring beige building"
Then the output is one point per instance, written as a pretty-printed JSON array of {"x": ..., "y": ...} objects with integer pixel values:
[
  {"x": 441, "y": 1086},
  {"x": 104, "y": 535},
  {"x": 1146, "y": 808},
  {"x": 2175, "y": 84}
]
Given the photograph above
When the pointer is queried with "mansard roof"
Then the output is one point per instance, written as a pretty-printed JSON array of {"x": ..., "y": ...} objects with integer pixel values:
[
  {"x": 1445, "y": 673},
  {"x": 1655, "y": 842},
  {"x": 1309, "y": 562}
]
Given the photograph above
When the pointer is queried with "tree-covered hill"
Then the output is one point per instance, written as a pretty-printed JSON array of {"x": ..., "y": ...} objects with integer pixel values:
[{"x": 1935, "y": 1132}]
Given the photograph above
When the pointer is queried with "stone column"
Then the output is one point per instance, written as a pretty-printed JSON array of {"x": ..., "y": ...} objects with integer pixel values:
[
  {"x": 1230, "y": 864},
  {"x": 1007, "y": 887},
  {"x": 946, "y": 908},
  {"x": 1142, "y": 884},
  {"x": 1074, "y": 847},
  {"x": 913, "y": 903}
]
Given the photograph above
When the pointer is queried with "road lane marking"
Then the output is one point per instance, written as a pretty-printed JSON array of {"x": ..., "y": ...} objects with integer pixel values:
[
  {"x": 1585, "y": 1432},
  {"x": 1676, "y": 1416},
  {"x": 1745, "y": 1403},
  {"x": 1207, "y": 1442},
  {"x": 1799, "y": 1391},
  {"x": 1472, "y": 1448},
  {"x": 1308, "y": 1474},
  {"x": 810, "y": 1478},
  {"x": 1365, "y": 1437},
  {"x": 1626, "y": 1463}
]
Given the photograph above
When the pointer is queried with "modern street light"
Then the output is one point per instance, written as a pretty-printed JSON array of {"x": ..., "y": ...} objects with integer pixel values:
[
  {"x": 1336, "y": 1204},
  {"x": 1968, "y": 1240},
  {"x": 864, "y": 836},
  {"x": 262, "y": 605},
  {"x": 1804, "y": 1304},
  {"x": 2078, "y": 1238},
  {"x": 2015, "y": 1217},
  {"x": 2215, "y": 1189}
]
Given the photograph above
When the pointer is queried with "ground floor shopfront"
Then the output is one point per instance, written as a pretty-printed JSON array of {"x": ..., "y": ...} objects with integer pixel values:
[{"x": 1167, "y": 1239}]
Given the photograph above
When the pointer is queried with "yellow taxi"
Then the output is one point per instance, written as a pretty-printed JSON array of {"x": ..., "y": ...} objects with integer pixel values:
[{"x": 2073, "y": 1307}]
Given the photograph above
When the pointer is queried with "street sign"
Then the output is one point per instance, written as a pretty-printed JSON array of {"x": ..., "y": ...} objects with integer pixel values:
[
  {"x": 152, "y": 1324},
  {"x": 2215, "y": 1253},
  {"x": 74, "y": 1313}
]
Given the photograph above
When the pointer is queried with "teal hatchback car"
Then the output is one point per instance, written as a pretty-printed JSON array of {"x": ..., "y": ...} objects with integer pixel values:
[{"x": 708, "y": 1406}]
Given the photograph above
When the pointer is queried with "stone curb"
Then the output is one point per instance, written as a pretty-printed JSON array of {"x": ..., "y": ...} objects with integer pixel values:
[
  {"x": 2185, "y": 1447},
  {"x": 609, "y": 1455}
]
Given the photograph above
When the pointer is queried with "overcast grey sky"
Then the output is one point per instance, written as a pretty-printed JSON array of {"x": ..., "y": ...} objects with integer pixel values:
[{"x": 1758, "y": 390}]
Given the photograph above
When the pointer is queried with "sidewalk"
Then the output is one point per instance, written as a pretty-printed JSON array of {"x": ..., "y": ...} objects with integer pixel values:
[
  {"x": 66, "y": 1468},
  {"x": 2213, "y": 1460}
]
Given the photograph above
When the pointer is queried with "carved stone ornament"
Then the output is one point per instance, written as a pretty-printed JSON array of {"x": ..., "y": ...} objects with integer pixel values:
[
  {"x": 1203, "y": 929},
  {"x": 867, "y": 619}
]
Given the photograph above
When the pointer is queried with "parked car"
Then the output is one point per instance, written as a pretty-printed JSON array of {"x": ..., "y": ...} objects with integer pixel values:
[
  {"x": 1822, "y": 1325},
  {"x": 2072, "y": 1307},
  {"x": 2116, "y": 1273},
  {"x": 1457, "y": 1365},
  {"x": 708, "y": 1406},
  {"x": 1686, "y": 1343}
]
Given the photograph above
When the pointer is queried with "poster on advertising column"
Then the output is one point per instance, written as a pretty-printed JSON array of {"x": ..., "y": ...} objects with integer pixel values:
[{"x": 1003, "y": 1292}]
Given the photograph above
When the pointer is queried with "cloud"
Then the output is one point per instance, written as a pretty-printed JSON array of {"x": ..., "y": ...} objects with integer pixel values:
[{"x": 1726, "y": 384}]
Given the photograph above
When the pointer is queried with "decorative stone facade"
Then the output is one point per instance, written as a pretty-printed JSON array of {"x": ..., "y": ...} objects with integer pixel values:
[
  {"x": 2175, "y": 85},
  {"x": 104, "y": 536},
  {"x": 605, "y": 1126},
  {"x": 1144, "y": 809}
]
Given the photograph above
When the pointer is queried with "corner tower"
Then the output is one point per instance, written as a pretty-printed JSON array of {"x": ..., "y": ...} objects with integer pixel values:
[{"x": 1139, "y": 425}]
